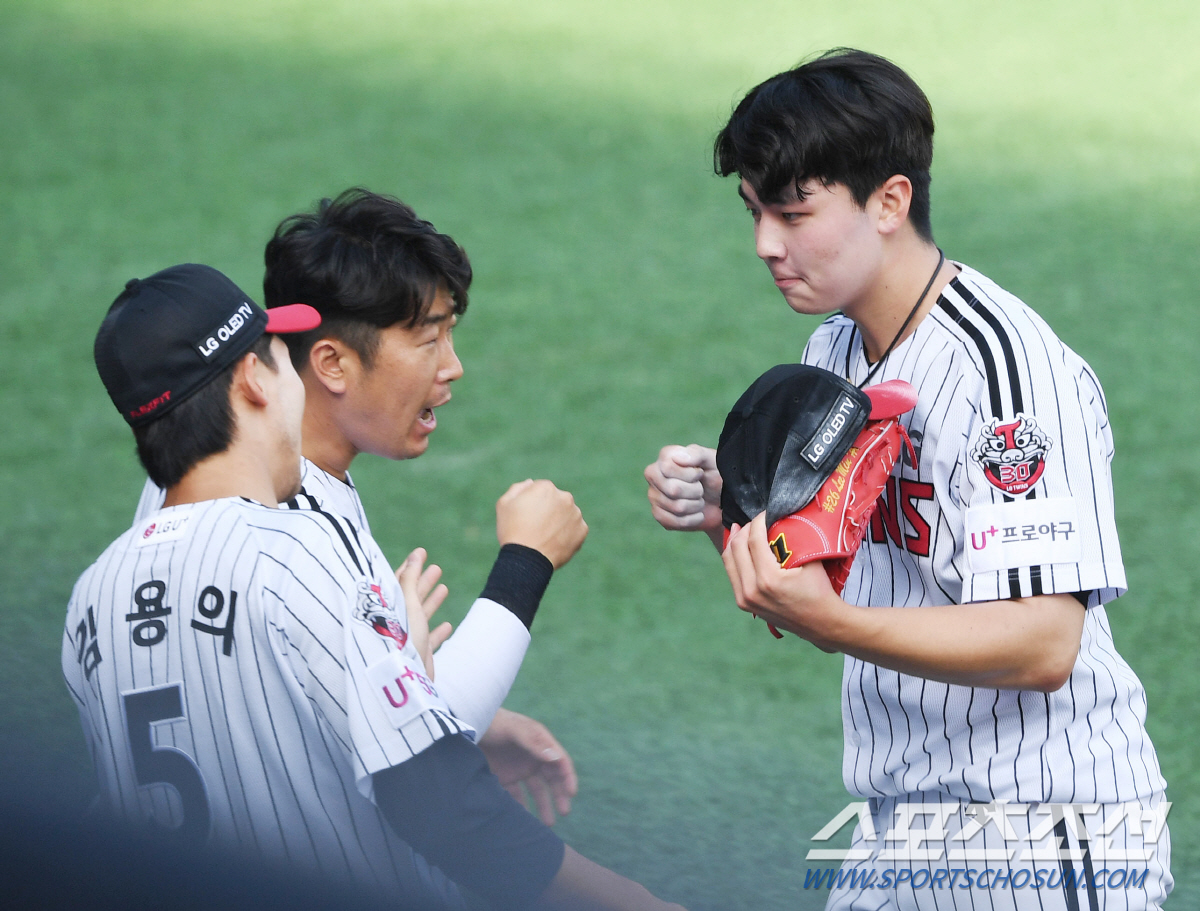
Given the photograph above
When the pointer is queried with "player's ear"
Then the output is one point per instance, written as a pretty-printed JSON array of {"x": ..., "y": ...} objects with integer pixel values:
[
  {"x": 327, "y": 363},
  {"x": 895, "y": 197},
  {"x": 249, "y": 380}
]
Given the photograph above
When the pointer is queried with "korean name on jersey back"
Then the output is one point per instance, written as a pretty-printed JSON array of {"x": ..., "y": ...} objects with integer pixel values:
[{"x": 206, "y": 669}]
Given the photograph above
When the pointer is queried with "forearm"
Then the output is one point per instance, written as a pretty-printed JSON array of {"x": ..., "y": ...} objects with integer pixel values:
[
  {"x": 478, "y": 664},
  {"x": 582, "y": 885},
  {"x": 717, "y": 536},
  {"x": 1026, "y": 644},
  {"x": 447, "y": 805},
  {"x": 452, "y": 810}
]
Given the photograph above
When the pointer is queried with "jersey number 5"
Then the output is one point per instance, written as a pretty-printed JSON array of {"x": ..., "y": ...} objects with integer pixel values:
[{"x": 166, "y": 765}]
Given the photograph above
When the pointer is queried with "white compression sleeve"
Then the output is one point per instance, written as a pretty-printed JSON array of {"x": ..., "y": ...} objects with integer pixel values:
[{"x": 475, "y": 668}]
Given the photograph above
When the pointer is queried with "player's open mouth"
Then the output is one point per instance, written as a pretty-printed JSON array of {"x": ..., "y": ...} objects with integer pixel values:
[{"x": 427, "y": 419}]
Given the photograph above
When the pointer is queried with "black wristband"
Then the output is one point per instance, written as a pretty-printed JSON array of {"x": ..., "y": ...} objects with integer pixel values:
[{"x": 518, "y": 580}]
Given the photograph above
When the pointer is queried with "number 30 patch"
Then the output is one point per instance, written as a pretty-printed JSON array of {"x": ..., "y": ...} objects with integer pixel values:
[{"x": 1012, "y": 454}]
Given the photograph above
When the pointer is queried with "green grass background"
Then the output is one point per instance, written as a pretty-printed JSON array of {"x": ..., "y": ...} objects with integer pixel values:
[{"x": 618, "y": 306}]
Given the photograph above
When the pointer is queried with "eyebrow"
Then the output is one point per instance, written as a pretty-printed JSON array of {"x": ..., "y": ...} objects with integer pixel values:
[
  {"x": 428, "y": 320},
  {"x": 798, "y": 200}
]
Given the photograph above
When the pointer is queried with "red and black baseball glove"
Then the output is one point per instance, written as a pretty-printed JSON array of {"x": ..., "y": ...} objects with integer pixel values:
[{"x": 814, "y": 452}]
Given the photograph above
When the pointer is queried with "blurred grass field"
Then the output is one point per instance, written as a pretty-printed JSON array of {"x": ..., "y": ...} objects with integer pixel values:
[{"x": 618, "y": 306}]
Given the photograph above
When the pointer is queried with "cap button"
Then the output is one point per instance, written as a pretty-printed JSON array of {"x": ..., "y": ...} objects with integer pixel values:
[{"x": 132, "y": 283}]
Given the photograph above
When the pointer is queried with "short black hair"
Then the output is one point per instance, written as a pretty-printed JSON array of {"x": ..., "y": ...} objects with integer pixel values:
[
  {"x": 201, "y": 425},
  {"x": 365, "y": 261},
  {"x": 847, "y": 117}
]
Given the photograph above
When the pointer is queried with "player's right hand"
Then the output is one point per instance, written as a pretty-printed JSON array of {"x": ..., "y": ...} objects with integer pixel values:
[
  {"x": 526, "y": 757},
  {"x": 421, "y": 601},
  {"x": 539, "y": 515},
  {"x": 800, "y": 600},
  {"x": 685, "y": 489}
]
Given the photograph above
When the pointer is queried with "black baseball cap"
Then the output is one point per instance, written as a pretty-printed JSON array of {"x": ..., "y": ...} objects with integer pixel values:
[
  {"x": 169, "y": 335},
  {"x": 782, "y": 439}
]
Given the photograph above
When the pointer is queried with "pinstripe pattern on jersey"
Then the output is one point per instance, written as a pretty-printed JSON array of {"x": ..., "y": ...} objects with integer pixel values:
[
  {"x": 337, "y": 502},
  {"x": 282, "y": 729},
  {"x": 323, "y": 491},
  {"x": 981, "y": 354},
  {"x": 995, "y": 392},
  {"x": 333, "y": 497},
  {"x": 462, "y": 675}
]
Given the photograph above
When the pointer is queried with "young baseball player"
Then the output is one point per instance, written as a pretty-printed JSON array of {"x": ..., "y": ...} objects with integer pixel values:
[
  {"x": 243, "y": 679},
  {"x": 989, "y": 720},
  {"x": 390, "y": 288}
]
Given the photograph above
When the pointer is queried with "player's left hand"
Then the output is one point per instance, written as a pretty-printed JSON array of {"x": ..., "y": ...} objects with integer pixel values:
[
  {"x": 523, "y": 752},
  {"x": 799, "y": 600},
  {"x": 422, "y": 597}
]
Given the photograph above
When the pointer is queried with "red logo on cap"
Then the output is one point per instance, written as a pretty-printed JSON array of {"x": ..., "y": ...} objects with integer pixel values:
[{"x": 151, "y": 405}]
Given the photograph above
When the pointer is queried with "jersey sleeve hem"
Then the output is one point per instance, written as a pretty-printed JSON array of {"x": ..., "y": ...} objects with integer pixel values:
[
  {"x": 416, "y": 736},
  {"x": 1106, "y": 582}
]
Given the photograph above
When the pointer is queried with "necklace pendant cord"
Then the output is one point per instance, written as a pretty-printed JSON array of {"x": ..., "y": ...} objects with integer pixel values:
[{"x": 896, "y": 338}]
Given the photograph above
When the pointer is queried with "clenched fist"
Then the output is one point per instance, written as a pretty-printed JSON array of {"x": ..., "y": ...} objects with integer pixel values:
[
  {"x": 685, "y": 490},
  {"x": 539, "y": 515}
]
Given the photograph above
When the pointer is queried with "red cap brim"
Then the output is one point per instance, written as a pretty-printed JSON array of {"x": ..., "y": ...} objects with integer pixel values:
[{"x": 292, "y": 318}]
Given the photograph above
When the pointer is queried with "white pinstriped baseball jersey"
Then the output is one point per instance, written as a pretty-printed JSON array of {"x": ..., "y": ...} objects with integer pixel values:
[
  {"x": 319, "y": 489},
  {"x": 477, "y": 666},
  {"x": 240, "y": 678},
  {"x": 1011, "y": 497}
]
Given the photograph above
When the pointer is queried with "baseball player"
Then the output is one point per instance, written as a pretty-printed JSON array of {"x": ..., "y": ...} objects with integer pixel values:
[
  {"x": 989, "y": 719},
  {"x": 242, "y": 679},
  {"x": 390, "y": 288}
]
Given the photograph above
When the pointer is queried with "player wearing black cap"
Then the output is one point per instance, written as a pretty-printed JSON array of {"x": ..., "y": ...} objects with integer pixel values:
[
  {"x": 241, "y": 680},
  {"x": 390, "y": 289}
]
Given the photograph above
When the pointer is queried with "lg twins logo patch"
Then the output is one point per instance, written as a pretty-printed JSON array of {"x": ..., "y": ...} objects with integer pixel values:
[
  {"x": 1013, "y": 454},
  {"x": 374, "y": 612}
]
